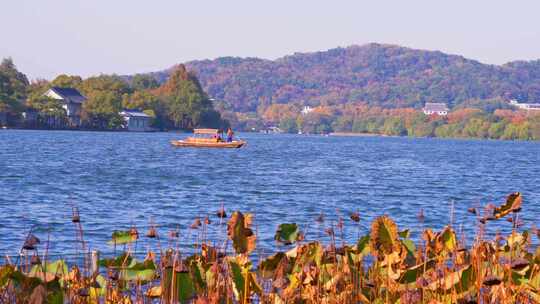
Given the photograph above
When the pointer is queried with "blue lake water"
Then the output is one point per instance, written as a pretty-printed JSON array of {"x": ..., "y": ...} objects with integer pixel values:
[{"x": 123, "y": 179}]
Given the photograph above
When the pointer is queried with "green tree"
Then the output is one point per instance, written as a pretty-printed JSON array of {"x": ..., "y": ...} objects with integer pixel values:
[
  {"x": 104, "y": 95},
  {"x": 476, "y": 128},
  {"x": 288, "y": 125},
  {"x": 143, "y": 82},
  {"x": 359, "y": 125},
  {"x": 496, "y": 130},
  {"x": 523, "y": 131},
  {"x": 187, "y": 105},
  {"x": 51, "y": 113},
  {"x": 423, "y": 129},
  {"x": 511, "y": 132},
  {"x": 13, "y": 88},
  {"x": 343, "y": 124},
  {"x": 66, "y": 81},
  {"x": 315, "y": 123},
  {"x": 446, "y": 131},
  {"x": 108, "y": 83},
  {"x": 418, "y": 119},
  {"x": 7, "y": 103},
  {"x": 394, "y": 126},
  {"x": 100, "y": 111},
  {"x": 535, "y": 128},
  {"x": 142, "y": 100},
  {"x": 323, "y": 128}
]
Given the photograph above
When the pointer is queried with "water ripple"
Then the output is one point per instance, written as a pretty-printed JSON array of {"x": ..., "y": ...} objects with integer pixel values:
[{"x": 122, "y": 179}]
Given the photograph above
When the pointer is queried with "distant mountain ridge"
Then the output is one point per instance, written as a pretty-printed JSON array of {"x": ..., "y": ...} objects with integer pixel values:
[{"x": 378, "y": 74}]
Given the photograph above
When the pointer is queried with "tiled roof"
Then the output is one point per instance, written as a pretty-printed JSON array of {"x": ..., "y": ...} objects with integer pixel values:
[
  {"x": 69, "y": 94},
  {"x": 133, "y": 113},
  {"x": 435, "y": 107}
]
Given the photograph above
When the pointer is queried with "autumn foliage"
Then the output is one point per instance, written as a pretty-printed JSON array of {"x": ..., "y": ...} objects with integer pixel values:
[{"x": 383, "y": 264}]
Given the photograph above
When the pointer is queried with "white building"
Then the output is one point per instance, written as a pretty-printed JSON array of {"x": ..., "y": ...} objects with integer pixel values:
[
  {"x": 72, "y": 101},
  {"x": 525, "y": 106},
  {"x": 136, "y": 121},
  {"x": 435, "y": 108},
  {"x": 306, "y": 110}
]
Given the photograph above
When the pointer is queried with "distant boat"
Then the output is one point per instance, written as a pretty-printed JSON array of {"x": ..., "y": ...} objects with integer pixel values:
[{"x": 207, "y": 138}]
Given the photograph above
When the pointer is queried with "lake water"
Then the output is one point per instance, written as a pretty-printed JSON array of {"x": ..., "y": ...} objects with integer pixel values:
[{"x": 123, "y": 179}]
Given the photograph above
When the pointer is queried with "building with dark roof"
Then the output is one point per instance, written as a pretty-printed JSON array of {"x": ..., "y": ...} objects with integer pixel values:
[
  {"x": 435, "y": 108},
  {"x": 136, "y": 120},
  {"x": 72, "y": 101}
]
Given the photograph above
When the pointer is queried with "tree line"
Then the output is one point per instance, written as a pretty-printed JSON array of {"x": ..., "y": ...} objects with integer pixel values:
[
  {"x": 179, "y": 103},
  {"x": 464, "y": 122}
]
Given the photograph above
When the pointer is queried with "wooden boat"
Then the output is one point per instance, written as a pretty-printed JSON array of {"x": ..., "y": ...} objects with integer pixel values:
[{"x": 207, "y": 138}]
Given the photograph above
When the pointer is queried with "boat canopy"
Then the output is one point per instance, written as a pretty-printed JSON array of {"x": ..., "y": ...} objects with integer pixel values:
[{"x": 205, "y": 131}]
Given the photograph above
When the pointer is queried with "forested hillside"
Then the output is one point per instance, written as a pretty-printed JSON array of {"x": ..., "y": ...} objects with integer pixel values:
[
  {"x": 379, "y": 75},
  {"x": 377, "y": 89}
]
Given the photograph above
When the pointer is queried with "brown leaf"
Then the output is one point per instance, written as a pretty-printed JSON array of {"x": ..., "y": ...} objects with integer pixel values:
[
  {"x": 39, "y": 295},
  {"x": 196, "y": 223},
  {"x": 512, "y": 204},
  {"x": 239, "y": 231},
  {"x": 384, "y": 237}
]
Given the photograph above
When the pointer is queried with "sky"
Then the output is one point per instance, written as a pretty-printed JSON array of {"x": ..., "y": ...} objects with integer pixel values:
[{"x": 46, "y": 38}]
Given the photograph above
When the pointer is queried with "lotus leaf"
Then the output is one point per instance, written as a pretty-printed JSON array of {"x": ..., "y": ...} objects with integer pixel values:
[
  {"x": 287, "y": 233},
  {"x": 512, "y": 204},
  {"x": 182, "y": 289},
  {"x": 268, "y": 266},
  {"x": 239, "y": 231},
  {"x": 123, "y": 260},
  {"x": 244, "y": 281},
  {"x": 49, "y": 271},
  {"x": 122, "y": 237},
  {"x": 384, "y": 237},
  {"x": 460, "y": 280},
  {"x": 363, "y": 245}
]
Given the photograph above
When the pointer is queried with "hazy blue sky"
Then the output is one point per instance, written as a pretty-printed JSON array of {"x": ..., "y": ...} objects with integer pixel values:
[{"x": 49, "y": 37}]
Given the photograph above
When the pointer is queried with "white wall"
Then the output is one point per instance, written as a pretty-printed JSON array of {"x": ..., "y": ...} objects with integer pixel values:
[{"x": 138, "y": 124}]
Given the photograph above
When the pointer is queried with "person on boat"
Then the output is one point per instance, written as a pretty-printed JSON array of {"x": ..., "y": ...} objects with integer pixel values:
[{"x": 230, "y": 135}]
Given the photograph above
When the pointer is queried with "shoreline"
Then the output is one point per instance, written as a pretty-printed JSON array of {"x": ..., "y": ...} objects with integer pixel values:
[
  {"x": 353, "y": 134},
  {"x": 334, "y": 134}
]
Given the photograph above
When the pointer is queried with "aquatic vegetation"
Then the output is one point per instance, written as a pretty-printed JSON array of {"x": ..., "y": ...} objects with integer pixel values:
[{"x": 382, "y": 266}]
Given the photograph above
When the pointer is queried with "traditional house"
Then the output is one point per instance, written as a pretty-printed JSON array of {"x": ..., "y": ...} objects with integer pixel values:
[
  {"x": 435, "y": 108},
  {"x": 71, "y": 100},
  {"x": 525, "y": 106},
  {"x": 136, "y": 120}
]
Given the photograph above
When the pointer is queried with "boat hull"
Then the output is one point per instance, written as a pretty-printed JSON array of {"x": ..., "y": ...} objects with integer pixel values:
[{"x": 223, "y": 145}]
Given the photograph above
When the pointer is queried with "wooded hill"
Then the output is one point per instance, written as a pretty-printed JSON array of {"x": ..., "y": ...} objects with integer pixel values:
[{"x": 379, "y": 75}]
